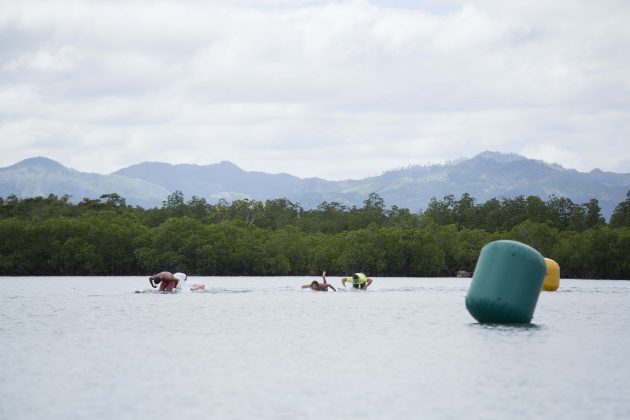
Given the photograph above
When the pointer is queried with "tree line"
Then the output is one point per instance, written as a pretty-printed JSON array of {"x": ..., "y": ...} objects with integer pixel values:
[{"x": 106, "y": 236}]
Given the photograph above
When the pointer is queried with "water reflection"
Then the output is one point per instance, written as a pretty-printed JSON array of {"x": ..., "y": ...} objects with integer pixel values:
[{"x": 506, "y": 327}]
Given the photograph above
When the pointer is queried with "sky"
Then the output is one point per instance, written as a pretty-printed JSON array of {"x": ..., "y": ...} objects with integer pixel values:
[{"x": 332, "y": 89}]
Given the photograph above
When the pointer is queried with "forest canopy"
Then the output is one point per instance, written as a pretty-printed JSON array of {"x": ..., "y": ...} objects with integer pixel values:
[{"x": 105, "y": 236}]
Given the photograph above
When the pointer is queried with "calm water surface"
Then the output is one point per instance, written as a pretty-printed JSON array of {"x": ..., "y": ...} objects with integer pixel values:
[{"x": 90, "y": 348}]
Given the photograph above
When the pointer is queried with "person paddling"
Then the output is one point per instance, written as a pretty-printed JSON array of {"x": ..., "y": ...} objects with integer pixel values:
[
  {"x": 358, "y": 281},
  {"x": 319, "y": 287},
  {"x": 165, "y": 279},
  {"x": 169, "y": 281}
]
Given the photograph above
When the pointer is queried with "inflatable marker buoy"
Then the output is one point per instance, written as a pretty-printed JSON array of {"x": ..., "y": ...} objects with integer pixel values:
[
  {"x": 552, "y": 279},
  {"x": 506, "y": 283}
]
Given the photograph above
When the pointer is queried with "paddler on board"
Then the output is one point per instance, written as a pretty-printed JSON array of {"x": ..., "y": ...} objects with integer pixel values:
[
  {"x": 169, "y": 281},
  {"x": 358, "y": 281},
  {"x": 319, "y": 287}
]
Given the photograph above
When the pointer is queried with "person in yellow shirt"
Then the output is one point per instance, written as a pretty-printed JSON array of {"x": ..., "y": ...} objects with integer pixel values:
[{"x": 358, "y": 281}]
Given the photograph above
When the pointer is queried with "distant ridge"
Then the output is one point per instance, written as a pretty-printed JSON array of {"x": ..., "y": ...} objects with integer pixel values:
[
  {"x": 41, "y": 176},
  {"x": 222, "y": 179},
  {"x": 38, "y": 161},
  {"x": 501, "y": 157},
  {"x": 485, "y": 176}
]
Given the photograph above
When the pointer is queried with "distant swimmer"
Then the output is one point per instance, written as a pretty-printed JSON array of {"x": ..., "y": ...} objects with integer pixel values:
[
  {"x": 319, "y": 287},
  {"x": 168, "y": 282},
  {"x": 358, "y": 281}
]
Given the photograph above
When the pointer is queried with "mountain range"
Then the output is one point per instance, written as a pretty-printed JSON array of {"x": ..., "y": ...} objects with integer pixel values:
[{"x": 485, "y": 176}]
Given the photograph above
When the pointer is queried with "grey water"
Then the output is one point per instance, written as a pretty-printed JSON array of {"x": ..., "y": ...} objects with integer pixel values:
[{"x": 91, "y": 348}]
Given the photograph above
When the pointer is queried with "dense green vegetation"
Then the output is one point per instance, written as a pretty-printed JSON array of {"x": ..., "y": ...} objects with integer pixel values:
[{"x": 52, "y": 236}]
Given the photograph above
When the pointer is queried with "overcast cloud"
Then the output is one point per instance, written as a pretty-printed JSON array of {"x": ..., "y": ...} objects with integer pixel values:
[{"x": 335, "y": 89}]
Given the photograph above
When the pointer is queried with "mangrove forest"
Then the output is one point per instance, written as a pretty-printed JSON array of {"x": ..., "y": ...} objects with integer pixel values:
[{"x": 54, "y": 236}]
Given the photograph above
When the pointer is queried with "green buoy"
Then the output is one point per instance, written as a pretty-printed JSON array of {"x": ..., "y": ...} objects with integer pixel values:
[{"x": 506, "y": 283}]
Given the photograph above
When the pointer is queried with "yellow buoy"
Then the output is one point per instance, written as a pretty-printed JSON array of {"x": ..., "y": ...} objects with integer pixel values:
[{"x": 552, "y": 279}]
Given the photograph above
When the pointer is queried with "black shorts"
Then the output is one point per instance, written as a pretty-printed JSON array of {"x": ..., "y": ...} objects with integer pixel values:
[{"x": 358, "y": 286}]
